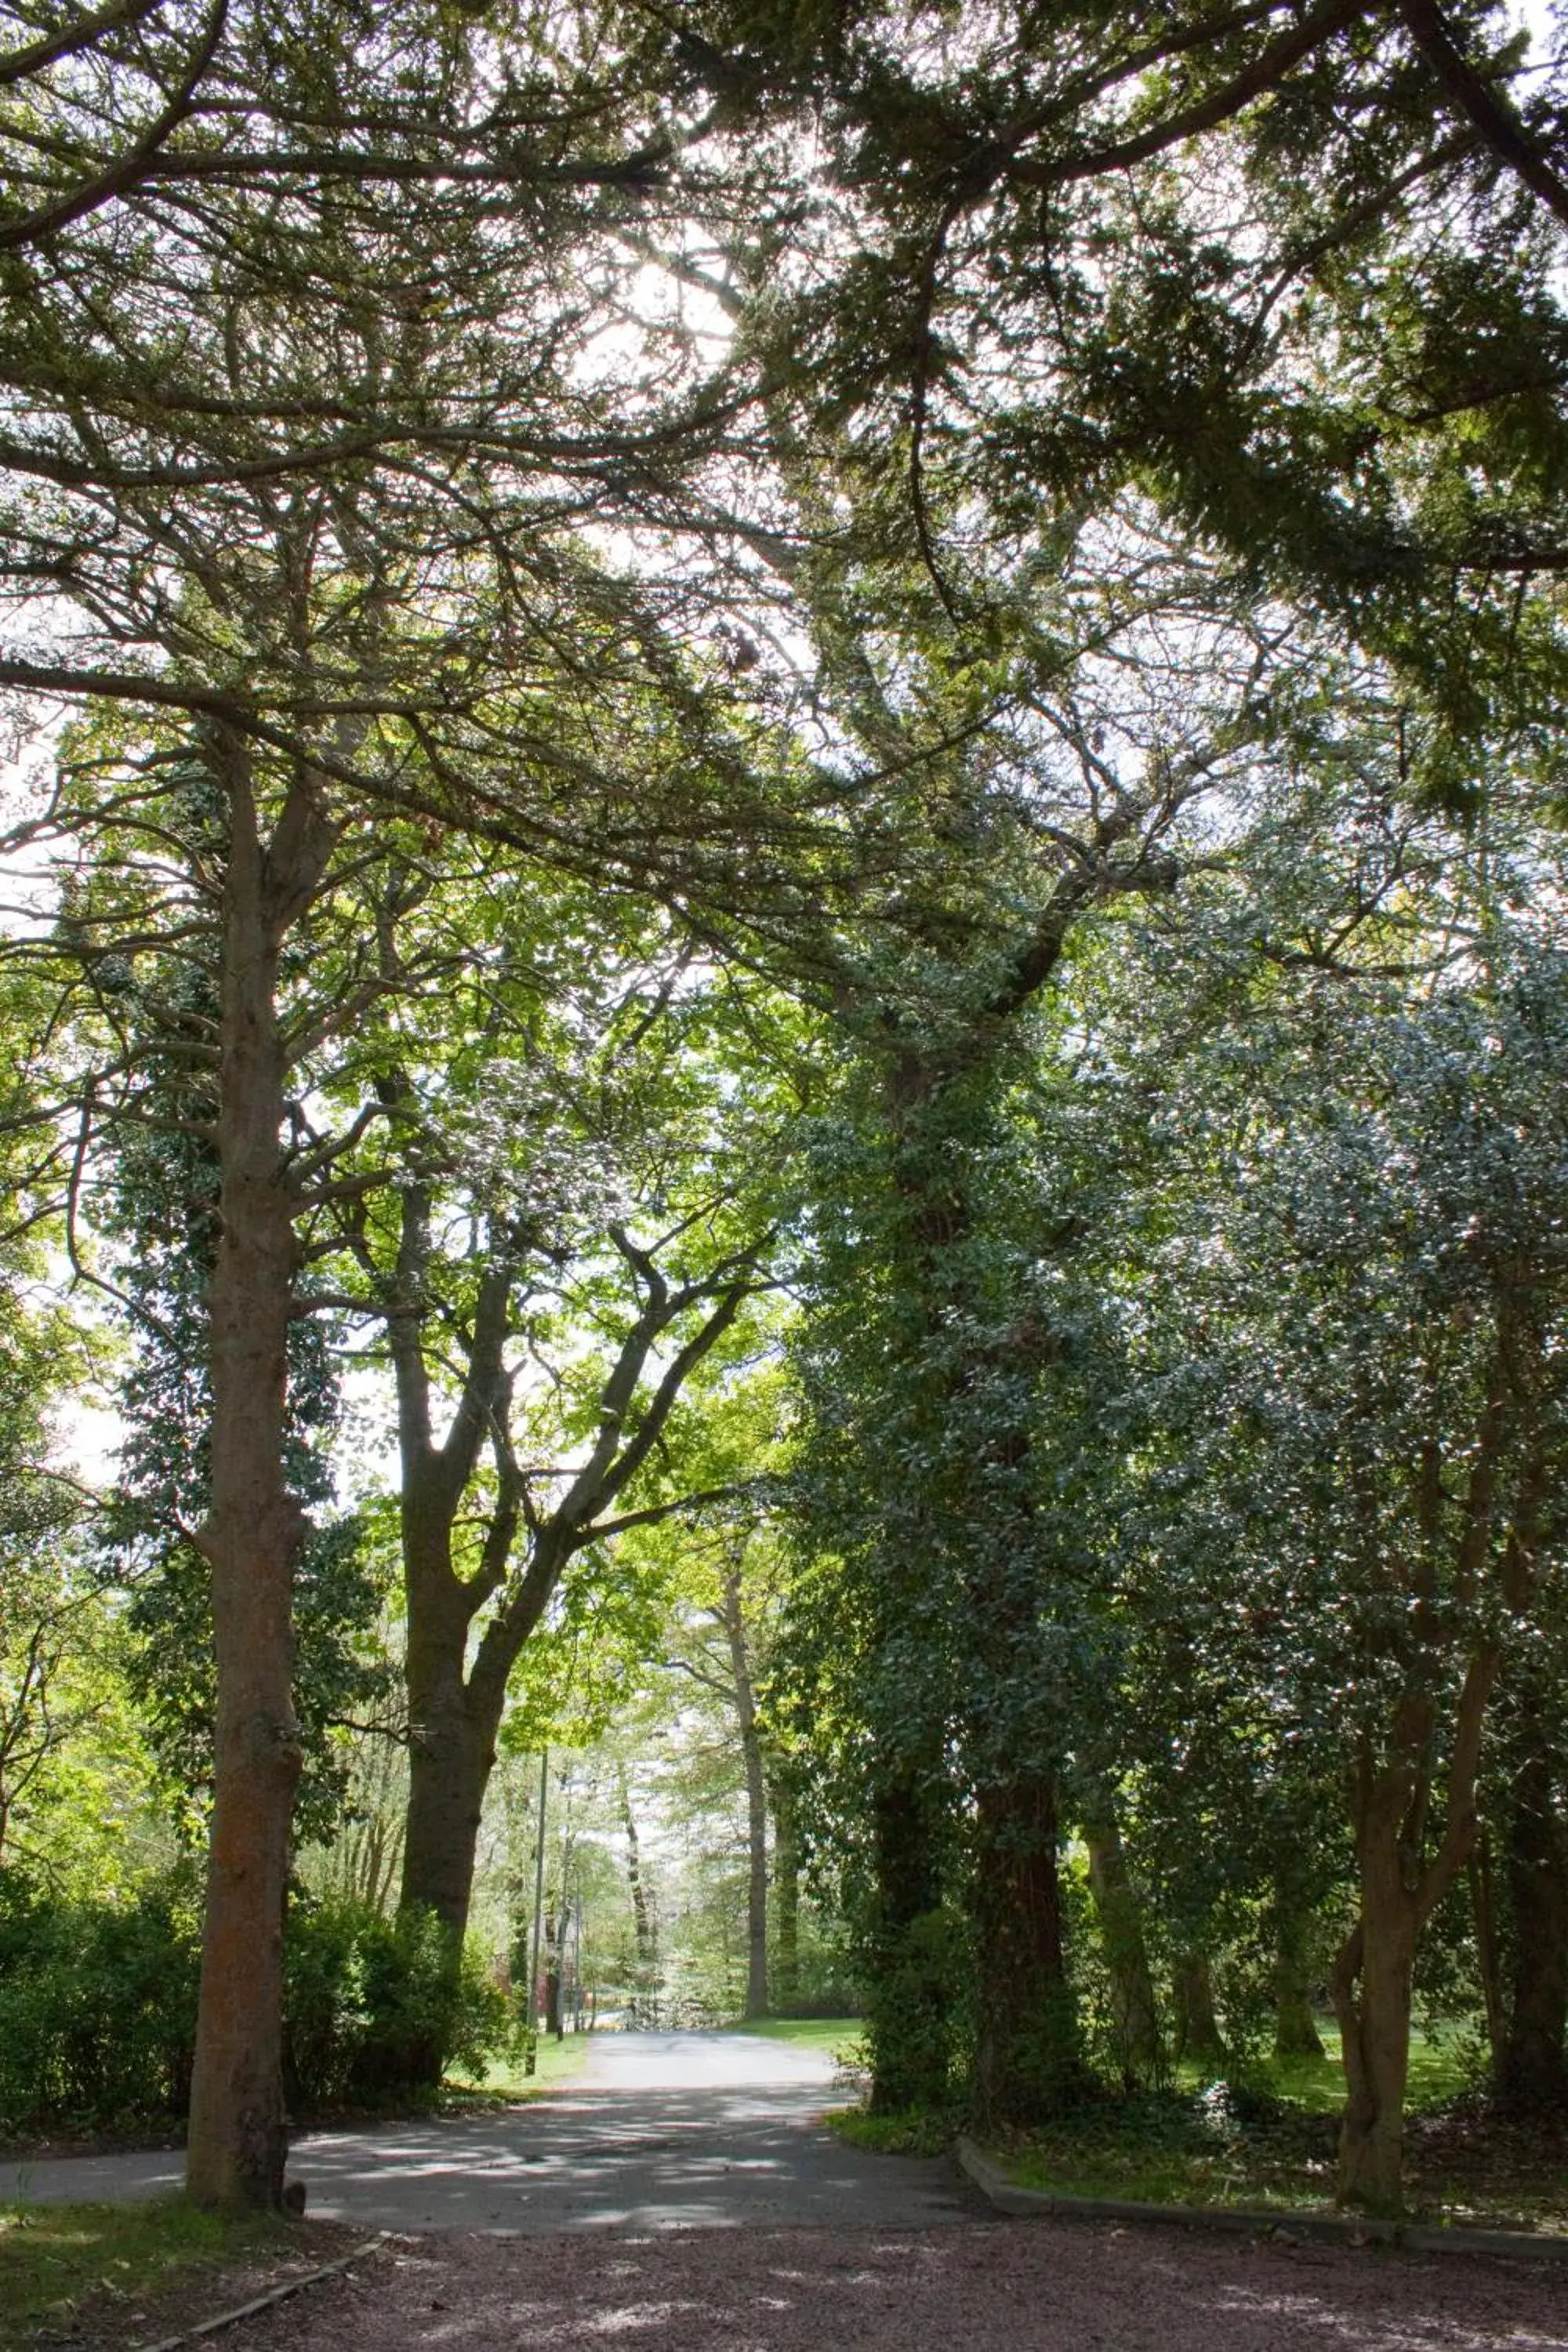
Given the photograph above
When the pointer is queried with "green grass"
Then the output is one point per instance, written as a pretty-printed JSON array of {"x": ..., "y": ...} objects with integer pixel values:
[
  {"x": 1442, "y": 2067},
  {"x": 830, "y": 2033},
  {"x": 1270, "y": 2140},
  {"x": 900, "y": 2135},
  {"x": 556, "y": 2064},
  {"x": 53, "y": 2259},
  {"x": 1176, "y": 2148},
  {"x": 1174, "y": 2151}
]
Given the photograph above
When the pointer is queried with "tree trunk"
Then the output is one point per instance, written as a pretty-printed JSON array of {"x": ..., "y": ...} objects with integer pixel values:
[
  {"x": 251, "y": 1539},
  {"x": 1371, "y": 1975},
  {"x": 1374, "y": 2034},
  {"x": 1392, "y": 1806},
  {"x": 554, "y": 1938},
  {"x": 756, "y": 1803},
  {"x": 1296, "y": 2032},
  {"x": 1026, "y": 2059},
  {"x": 1489, "y": 1953},
  {"x": 1132, "y": 2002},
  {"x": 454, "y": 1717},
  {"x": 787, "y": 1895},
  {"x": 911, "y": 1994},
  {"x": 642, "y": 1910},
  {"x": 451, "y": 1753},
  {"x": 1198, "y": 2036},
  {"x": 1533, "y": 2077}
]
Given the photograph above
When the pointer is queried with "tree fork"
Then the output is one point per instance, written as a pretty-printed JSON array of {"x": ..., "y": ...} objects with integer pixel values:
[
  {"x": 1372, "y": 1974},
  {"x": 452, "y": 1750}
]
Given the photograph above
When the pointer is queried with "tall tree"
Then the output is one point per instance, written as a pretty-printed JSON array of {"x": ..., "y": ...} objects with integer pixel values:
[
  {"x": 344, "y": 570},
  {"x": 1073, "y": 794},
  {"x": 1354, "y": 1418},
  {"x": 549, "y": 1289}
]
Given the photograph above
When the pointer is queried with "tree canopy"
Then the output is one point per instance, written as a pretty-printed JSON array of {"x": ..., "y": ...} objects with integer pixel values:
[{"x": 783, "y": 1008}]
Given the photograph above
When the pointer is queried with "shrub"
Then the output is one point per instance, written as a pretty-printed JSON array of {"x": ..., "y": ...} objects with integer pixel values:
[
  {"x": 375, "y": 2007},
  {"x": 98, "y": 2007}
]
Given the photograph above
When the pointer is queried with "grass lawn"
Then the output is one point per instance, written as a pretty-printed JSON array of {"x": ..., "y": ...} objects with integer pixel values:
[
  {"x": 102, "y": 2271},
  {"x": 830, "y": 2033},
  {"x": 1271, "y": 2140},
  {"x": 556, "y": 2064},
  {"x": 906, "y": 2135},
  {"x": 1171, "y": 2150},
  {"x": 1441, "y": 2070}
]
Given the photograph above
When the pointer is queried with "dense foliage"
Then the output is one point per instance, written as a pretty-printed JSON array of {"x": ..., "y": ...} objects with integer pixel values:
[
  {"x": 97, "y": 2008},
  {"x": 783, "y": 1021}
]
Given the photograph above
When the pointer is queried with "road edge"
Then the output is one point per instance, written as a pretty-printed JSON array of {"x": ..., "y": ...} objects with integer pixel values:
[{"x": 1241, "y": 2220}]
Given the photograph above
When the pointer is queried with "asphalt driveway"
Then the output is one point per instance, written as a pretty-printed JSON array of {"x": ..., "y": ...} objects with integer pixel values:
[{"x": 664, "y": 2132}]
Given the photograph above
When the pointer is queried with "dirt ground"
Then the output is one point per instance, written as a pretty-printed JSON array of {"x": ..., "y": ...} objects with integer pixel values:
[
  {"x": 985, "y": 2287},
  {"x": 105, "y": 2319}
]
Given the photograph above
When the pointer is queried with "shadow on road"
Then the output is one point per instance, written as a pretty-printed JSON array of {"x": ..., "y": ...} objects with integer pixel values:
[{"x": 659, "y": 2160}]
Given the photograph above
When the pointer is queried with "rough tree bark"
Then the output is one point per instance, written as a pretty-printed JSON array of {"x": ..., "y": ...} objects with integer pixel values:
[
  {"x": 1026, "y": 2055},
  {"x": 252, "y": 1535},
  {"x": 455, "y": 1718},
  {"x": 1028, "y": 2058}
]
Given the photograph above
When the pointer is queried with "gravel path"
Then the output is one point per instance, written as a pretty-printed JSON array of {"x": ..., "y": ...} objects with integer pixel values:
[{"x": 985, "y": 2287}]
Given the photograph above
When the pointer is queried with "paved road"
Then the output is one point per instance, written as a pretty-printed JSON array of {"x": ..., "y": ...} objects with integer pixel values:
[{"x": 666, "y": 2131}]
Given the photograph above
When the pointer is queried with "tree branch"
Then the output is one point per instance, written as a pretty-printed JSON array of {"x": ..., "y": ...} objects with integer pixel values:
[
  {"x": 132, "y": 166},
  {"x": 1493, "y": 114}
]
